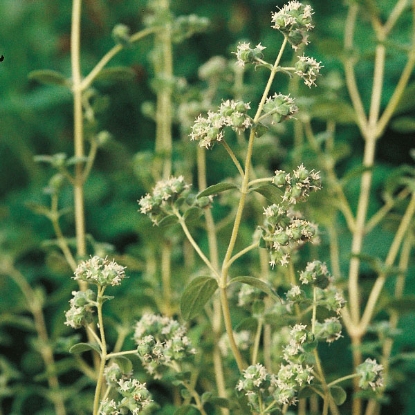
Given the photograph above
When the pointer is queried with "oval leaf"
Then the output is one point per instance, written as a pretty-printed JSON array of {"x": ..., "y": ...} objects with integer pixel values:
[
  {"x": 271, "y": 192},
  {"x": 192, "y": 214},
  {"x": 84, "y": 347},
  {"x": 196, "y": 295},
  {"x": 124, "y": 363},
  {"x": 48, "y": 77},
  {"x": 339, "y": 394},
  {"x": 216, "y": 188},
  {"x": 168, "y": 221},
  {"x": 404, "y": 124},
  {"x": 118, "y": 73},
  {"x": 255, "y": 282}
]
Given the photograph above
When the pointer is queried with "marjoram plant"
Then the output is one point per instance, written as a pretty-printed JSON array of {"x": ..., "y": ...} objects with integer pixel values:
[{"x": 255, "y": 308}]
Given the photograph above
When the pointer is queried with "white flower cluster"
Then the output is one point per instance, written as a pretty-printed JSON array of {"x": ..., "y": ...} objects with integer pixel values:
[
  {"x": 371, "y": 374},
  {"x": 294, "y": 20},
  {"x": 308, "y": 69},
  {"x": 245, "y": 54},
  {"x": 209, "y": 130},
  {"x": 161, "y": 341},
  {"x": 136, "y": 398},
  {"x": 100, "y": 271}
]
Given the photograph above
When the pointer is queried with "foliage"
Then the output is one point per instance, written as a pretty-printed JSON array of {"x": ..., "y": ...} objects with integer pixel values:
[{"x": 279, "y": 190}]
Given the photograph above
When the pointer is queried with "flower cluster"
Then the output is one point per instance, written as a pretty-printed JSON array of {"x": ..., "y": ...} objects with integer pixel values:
[
  {"x": 325, "y": 295},
  {"x": 265, "y": 390},
  {"x": 317, "y": 274},
  {"x": 100, "y": 271},
  {"x": 166, "y": 192},
  {"x": 81, "y": 312},
  {"x": 209, "y": 130},
  {"x": 298, "y": 184},
  {"x": 330, "y": 329},
  {"x": 161, "y": 341},
  {"x": 245, "y": 54},
  {"x": 294, "y": 21},
  {"x": 136, "y": 399},
  {"x": 279, "y": 107},
  {"x": 371, "y": 374},
  {"x": 308, "y": 69},
  {"x": 282, "y": 230}
]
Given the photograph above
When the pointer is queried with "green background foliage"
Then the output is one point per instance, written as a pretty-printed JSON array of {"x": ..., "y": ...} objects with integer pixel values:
[{"x": 36, "y": 119}]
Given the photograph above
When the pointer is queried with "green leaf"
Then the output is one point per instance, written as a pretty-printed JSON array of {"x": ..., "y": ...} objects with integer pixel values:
[
  {"x": 168, "y": 221},
  {"x": 218, "y": 401},
  {"x": 406, "y": 102},
  {"x": 271, "y": 192},
  {"x": 402, "y": 305},
  {"x": 216, "y": 188},
  {"x": 84, "y": 347},
  {"x": 255, "y": 282},
  {"x": 192, "y": 214},
  {"x": 403, "y": 124},
  {"x": 196, "y": 295},
  {"x": 47, "y": 76},
  {"x": 338, "y": 394},
  {"x": 124, "y": 363},
  {"x": 116, "y": 73},
  {"x": 186, "y": 410},
  {"x": 341, "y": 112}
]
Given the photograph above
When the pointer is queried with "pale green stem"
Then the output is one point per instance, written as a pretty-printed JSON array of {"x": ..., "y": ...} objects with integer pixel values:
[
  {"x": 385, "y": 209},
  {"x": 263, "y": 180},
  {"x": 233, "y": 157},
  {"x": 349, "y": 66},
  {"x": 90, "y": 160},
  {"x": 245, "y": 181},
  {"x": 166, "y": 278},
  {"x": 87, "y": 81},
  {"x": 34, "y": 304},
  {"x": 214, "y": 257},
  {"x": 196, "y": 246},
  {"x": 341, "y": 201},
  {"x": 390, "y": 259},
  {"x": 257, "y": 341},
  {"x": 78, "y": 127},
  {"x": 243, "y": 252},
  {"x": 103, "y": 355},
  {"x": 314, "y": 316},
  {"x": 62, "y": 242}
]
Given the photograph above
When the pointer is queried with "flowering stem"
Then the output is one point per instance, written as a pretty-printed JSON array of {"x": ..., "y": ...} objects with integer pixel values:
[
  {"x": 233, "y": 157},
  {"x": 257, "y": 341},
  {"x": 103, "y": 355},
  {"x": 214, "y": 258},
  {"x": 87, "y": 81},
  {"x": 195, "y": 245}
]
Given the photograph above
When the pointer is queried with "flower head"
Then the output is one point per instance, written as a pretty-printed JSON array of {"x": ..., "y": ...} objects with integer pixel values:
[
  {"x": 294, "y": 21},
  {"x": 308, "y": 69},
  {"x": 100, "y": 271},
  {"x": 371, "y": 374},
  {"x": 245, "y": 54}
]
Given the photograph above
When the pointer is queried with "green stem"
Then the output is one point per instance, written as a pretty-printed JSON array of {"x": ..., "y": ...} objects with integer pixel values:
[
  {"x": 196, "y": 246},
  {"x": 257, "y": 340},
  {"x": 214, "y": 258},
  {"x": 89, "y": 79},
  {"x": 34, "y": 304},
  {"x": 390, "y": 259},
  {"x": 233, "y": 157},
  {"x": 103, "y": 356},
  {"x": 78, "y": 127},
  {"x": 62, "y": 242}
]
